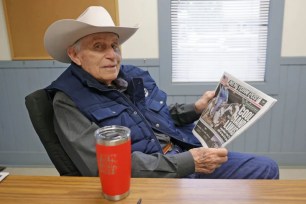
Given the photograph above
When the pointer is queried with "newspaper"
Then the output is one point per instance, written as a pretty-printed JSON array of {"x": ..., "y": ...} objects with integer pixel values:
[{"x": 235, "y": 107}]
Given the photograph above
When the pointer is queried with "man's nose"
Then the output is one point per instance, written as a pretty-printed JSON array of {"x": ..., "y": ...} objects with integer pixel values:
[{"x": 110, "y": 53}]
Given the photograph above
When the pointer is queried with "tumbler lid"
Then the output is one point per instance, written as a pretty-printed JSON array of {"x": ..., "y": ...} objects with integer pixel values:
[{"x": 112, "y": 135}]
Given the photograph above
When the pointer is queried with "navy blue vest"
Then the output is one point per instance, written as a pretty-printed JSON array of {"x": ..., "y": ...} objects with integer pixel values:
[{"x": 144, "y": 111}]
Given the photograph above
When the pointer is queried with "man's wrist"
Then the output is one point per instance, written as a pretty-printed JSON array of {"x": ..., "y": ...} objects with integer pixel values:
[{"x": 196, "y": 108}]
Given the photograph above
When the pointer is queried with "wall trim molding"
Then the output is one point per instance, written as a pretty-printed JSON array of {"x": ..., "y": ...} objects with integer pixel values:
[
  {"x": 6, "y": 64},
  {"x": 293, "y": 61},
  {"x": 32, "y": 64},
  {"x": 141, "y": 62}
]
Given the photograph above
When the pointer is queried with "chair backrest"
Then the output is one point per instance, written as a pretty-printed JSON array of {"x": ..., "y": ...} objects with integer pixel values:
[{"x": 41, "y": 113}]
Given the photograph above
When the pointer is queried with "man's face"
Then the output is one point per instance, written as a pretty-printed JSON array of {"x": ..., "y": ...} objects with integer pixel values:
[{"x": 98, "y": 54}]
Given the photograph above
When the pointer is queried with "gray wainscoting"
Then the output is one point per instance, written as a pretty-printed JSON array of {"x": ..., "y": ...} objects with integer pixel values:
[{"x": 280, "y": 134}]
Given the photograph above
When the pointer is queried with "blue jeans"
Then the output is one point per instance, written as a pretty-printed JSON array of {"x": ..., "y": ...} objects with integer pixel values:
[{"x": 243, "y": 166}]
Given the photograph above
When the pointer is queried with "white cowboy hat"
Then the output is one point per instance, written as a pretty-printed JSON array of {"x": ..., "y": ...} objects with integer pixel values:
[{"x": 63, "y": 33}]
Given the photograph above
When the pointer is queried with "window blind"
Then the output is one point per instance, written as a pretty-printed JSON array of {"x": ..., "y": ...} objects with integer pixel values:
[{"x": 213, "y": 36}]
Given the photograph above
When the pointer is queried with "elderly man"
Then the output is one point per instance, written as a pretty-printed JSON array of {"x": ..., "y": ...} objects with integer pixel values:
[{"x": 97, "y": 91}]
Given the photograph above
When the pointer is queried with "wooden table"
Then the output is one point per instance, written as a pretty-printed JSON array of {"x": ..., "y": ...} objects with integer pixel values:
[{"x": 87, "y": 190}]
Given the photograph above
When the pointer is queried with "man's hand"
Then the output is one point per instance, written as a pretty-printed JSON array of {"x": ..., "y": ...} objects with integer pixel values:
[
  {"x": 208, "y": 159},
  {"x": 202, "y": 102}
]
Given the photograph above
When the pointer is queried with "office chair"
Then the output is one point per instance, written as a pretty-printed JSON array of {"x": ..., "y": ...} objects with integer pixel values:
[{"x": 41, "y": 113}]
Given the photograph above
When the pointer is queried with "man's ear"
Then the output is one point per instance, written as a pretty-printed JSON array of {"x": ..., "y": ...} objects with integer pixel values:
[{"x": 73, "y": 55}]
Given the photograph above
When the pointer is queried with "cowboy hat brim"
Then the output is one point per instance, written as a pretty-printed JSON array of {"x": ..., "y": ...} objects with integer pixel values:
[{"x": 64, "y": 33}]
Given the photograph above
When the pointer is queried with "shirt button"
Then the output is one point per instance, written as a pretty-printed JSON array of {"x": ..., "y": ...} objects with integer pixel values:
[
  {"x": 152, "y": 140},
  {"x": 114, "y": 112},
  {"x": 161, "y": 102},
  {"x": 135, "y": 112},
  {"x": 157, "y": 125}
]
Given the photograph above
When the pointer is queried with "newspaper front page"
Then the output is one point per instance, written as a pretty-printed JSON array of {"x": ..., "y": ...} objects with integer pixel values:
[{"x": 236, "y": 106}]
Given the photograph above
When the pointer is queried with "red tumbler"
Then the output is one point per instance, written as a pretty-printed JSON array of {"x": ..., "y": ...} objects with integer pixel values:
[{"x": 113, "y": 149}]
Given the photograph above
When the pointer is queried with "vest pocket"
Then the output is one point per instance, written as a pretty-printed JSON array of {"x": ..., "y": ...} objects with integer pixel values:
[
  {"x": 157, "y": 102},
  {"x": 104, "y": 113},
  {"x": 156, "y": 105}
]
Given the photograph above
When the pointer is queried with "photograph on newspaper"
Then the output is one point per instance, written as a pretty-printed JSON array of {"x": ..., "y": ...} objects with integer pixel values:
[{"x": 235, "y": 107}]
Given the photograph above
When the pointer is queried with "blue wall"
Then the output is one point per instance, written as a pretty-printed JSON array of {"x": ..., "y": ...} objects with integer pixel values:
[{"x": 280, "y": 134}]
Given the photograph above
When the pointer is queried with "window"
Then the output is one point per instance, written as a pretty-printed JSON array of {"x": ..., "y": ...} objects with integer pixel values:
[
  {"x": 200, "y": 39},
  {"x": 213, "y": 36}
]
